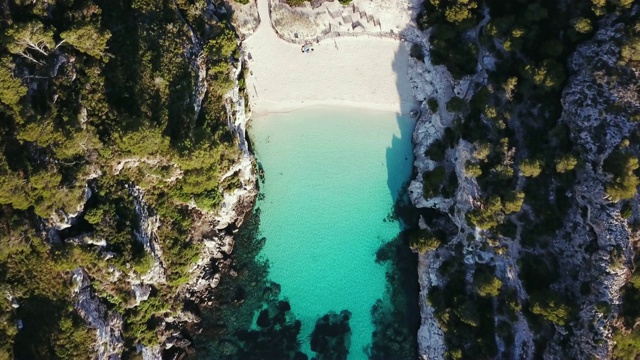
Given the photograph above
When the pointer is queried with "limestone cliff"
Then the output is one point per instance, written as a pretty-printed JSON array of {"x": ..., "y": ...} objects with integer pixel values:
[{"x": 586, "y": 257}]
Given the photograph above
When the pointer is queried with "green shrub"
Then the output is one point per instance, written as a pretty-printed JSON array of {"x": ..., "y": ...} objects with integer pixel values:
[
  {"x": 424, "y": 240},
  {"x": 488, "y": 216},
  {"x": 460, "y": 11},
  {"x": 468, "y": 313},
  {"x": 139, "y": 326},
  {"x": 530, "y": 168},
  {"x": 88, "y": 38},
  {"x": 11, "y": 88},
  {"x": 432, "y": 103},
  {"x": 627, "y": 345},
  {"x": 482, "y": 151},
  {"x": 549, "y": 74},
  {"x": 630, "y": 52},
  {"x": 450, "y": 48},
  {"x": 512, "y": 202},
  {"x": 295, "y": 2},
  {"x": 626, "y": 211},
  {"x": 486, "y": 285},
  {"x": 550, "y": 307},
  {"x": 566, "y": 163},
  {"x": 472, "y": 170},
  {"x": 456, "y": 104},
  {"x": 624, "y": 184},
  {"x": 73, "y": 339},
  {"x": 416, "y": 51},
  {"x": 583, "y": 25},
  {"x": 143, "y": 264},
  {"x": 433, "y": 181}
]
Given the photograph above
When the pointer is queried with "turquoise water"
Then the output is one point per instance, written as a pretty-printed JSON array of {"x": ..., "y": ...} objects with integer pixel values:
[{"x": 331, "y": 179}]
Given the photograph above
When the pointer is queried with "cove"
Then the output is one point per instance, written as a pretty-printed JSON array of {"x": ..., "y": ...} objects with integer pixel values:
[{"x": 331, "y": 178}]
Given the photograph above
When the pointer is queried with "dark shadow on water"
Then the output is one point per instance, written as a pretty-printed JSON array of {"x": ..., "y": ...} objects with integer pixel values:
[
  {"x": 399, "y": 157},
  {"x": 396, "y": 316}
]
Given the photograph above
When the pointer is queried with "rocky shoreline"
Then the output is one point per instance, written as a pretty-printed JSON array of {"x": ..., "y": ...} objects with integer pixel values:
[{"x": 584, "y": 102}]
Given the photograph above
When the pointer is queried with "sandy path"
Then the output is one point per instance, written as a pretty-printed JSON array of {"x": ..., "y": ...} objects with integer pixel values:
[{"x": 365, "y": 72}]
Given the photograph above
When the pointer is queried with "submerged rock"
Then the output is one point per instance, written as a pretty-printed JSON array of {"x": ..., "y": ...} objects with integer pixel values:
[{"x": 331, "y": 337}]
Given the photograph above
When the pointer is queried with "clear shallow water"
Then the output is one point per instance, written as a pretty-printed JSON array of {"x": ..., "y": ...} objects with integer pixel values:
[{"x": 331, "y": 179}]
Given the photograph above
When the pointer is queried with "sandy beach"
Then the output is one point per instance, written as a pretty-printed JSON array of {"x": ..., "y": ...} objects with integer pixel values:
[{"x": 364, "y": 71}]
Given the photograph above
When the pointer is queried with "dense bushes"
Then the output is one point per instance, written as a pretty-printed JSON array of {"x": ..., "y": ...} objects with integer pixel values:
[
  {"x": 486, "y": 285},
  {"x": 523, "y": 156},
  {"x": 433, "y": 181},
  {"x": 624, "y": 184},
  {"x": 424, "y": 240},
  {"x": 550, "y": 306},
  {"x": 456, "y": 104},
  {"x": 110, "y": 81},
  {"x": 530, "y": 167}
]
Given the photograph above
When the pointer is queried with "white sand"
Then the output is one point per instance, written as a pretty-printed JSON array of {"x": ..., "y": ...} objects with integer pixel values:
[{"x": 365, "y": 72}]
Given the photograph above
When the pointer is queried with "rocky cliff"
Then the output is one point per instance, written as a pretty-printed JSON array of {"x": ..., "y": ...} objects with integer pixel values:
[
  {"x": 555, "y": 292},
  {"x": 126, "y": 170}
]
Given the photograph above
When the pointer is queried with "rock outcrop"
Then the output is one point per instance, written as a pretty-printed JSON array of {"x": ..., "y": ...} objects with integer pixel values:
[
  {"x": 592, "y": 248},
  {"x": 595, "y": 219},
  {"x": 108, "y": 324}
]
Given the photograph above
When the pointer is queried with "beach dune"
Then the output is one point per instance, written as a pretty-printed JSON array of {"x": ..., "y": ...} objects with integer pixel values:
[{"x": 354, "y": 71}]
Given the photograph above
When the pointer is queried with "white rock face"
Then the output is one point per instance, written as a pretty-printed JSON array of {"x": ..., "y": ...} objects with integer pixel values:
[
  {"x": 141, "y": 292},
  {"x": 245, "y": 17},
  {"x": 151, "y": 353},
  {"x": 431, "y": 81},
  {"x": 60, "y": 220},
  {"x": 147, "y": 234},
  {"x": 430, "y": 337},
  {"x": 87, "y": 239},
  {"x": 593, "y": 219},
  {"x": 108, "y": 324},
  {"x": 236, "y": 203}
]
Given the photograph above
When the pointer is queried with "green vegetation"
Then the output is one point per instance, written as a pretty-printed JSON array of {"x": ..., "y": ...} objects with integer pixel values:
[
  {"x": 449, "y": 44},
  {"x": 295, "y": 2},
  {"x": 524, "y": 163},
  {"x": 456, "y": 104},
  {"x": 566, "y": 163},
  {"x": 110, "y": 108},
  {"x": 530, "y": 168},
  {"x": 583, "y": 25},
  {"x": 627, "y": 346},
  {"x": 494, "y": 209},
  {"x": 89, "y": 39},
  {"x": 624, "y": 184},
  {"x": 472, "y": 170},
  {"x": 433, "y": 181},
  {"x": 550, "y": 307},
  {"x": 416, "y": 51},
  {"x": 424, "y": 240},
  {"x": 432, "y": 103},
  {"x": 466, "y": 317},
  {"x": 487, "y": 285}
]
